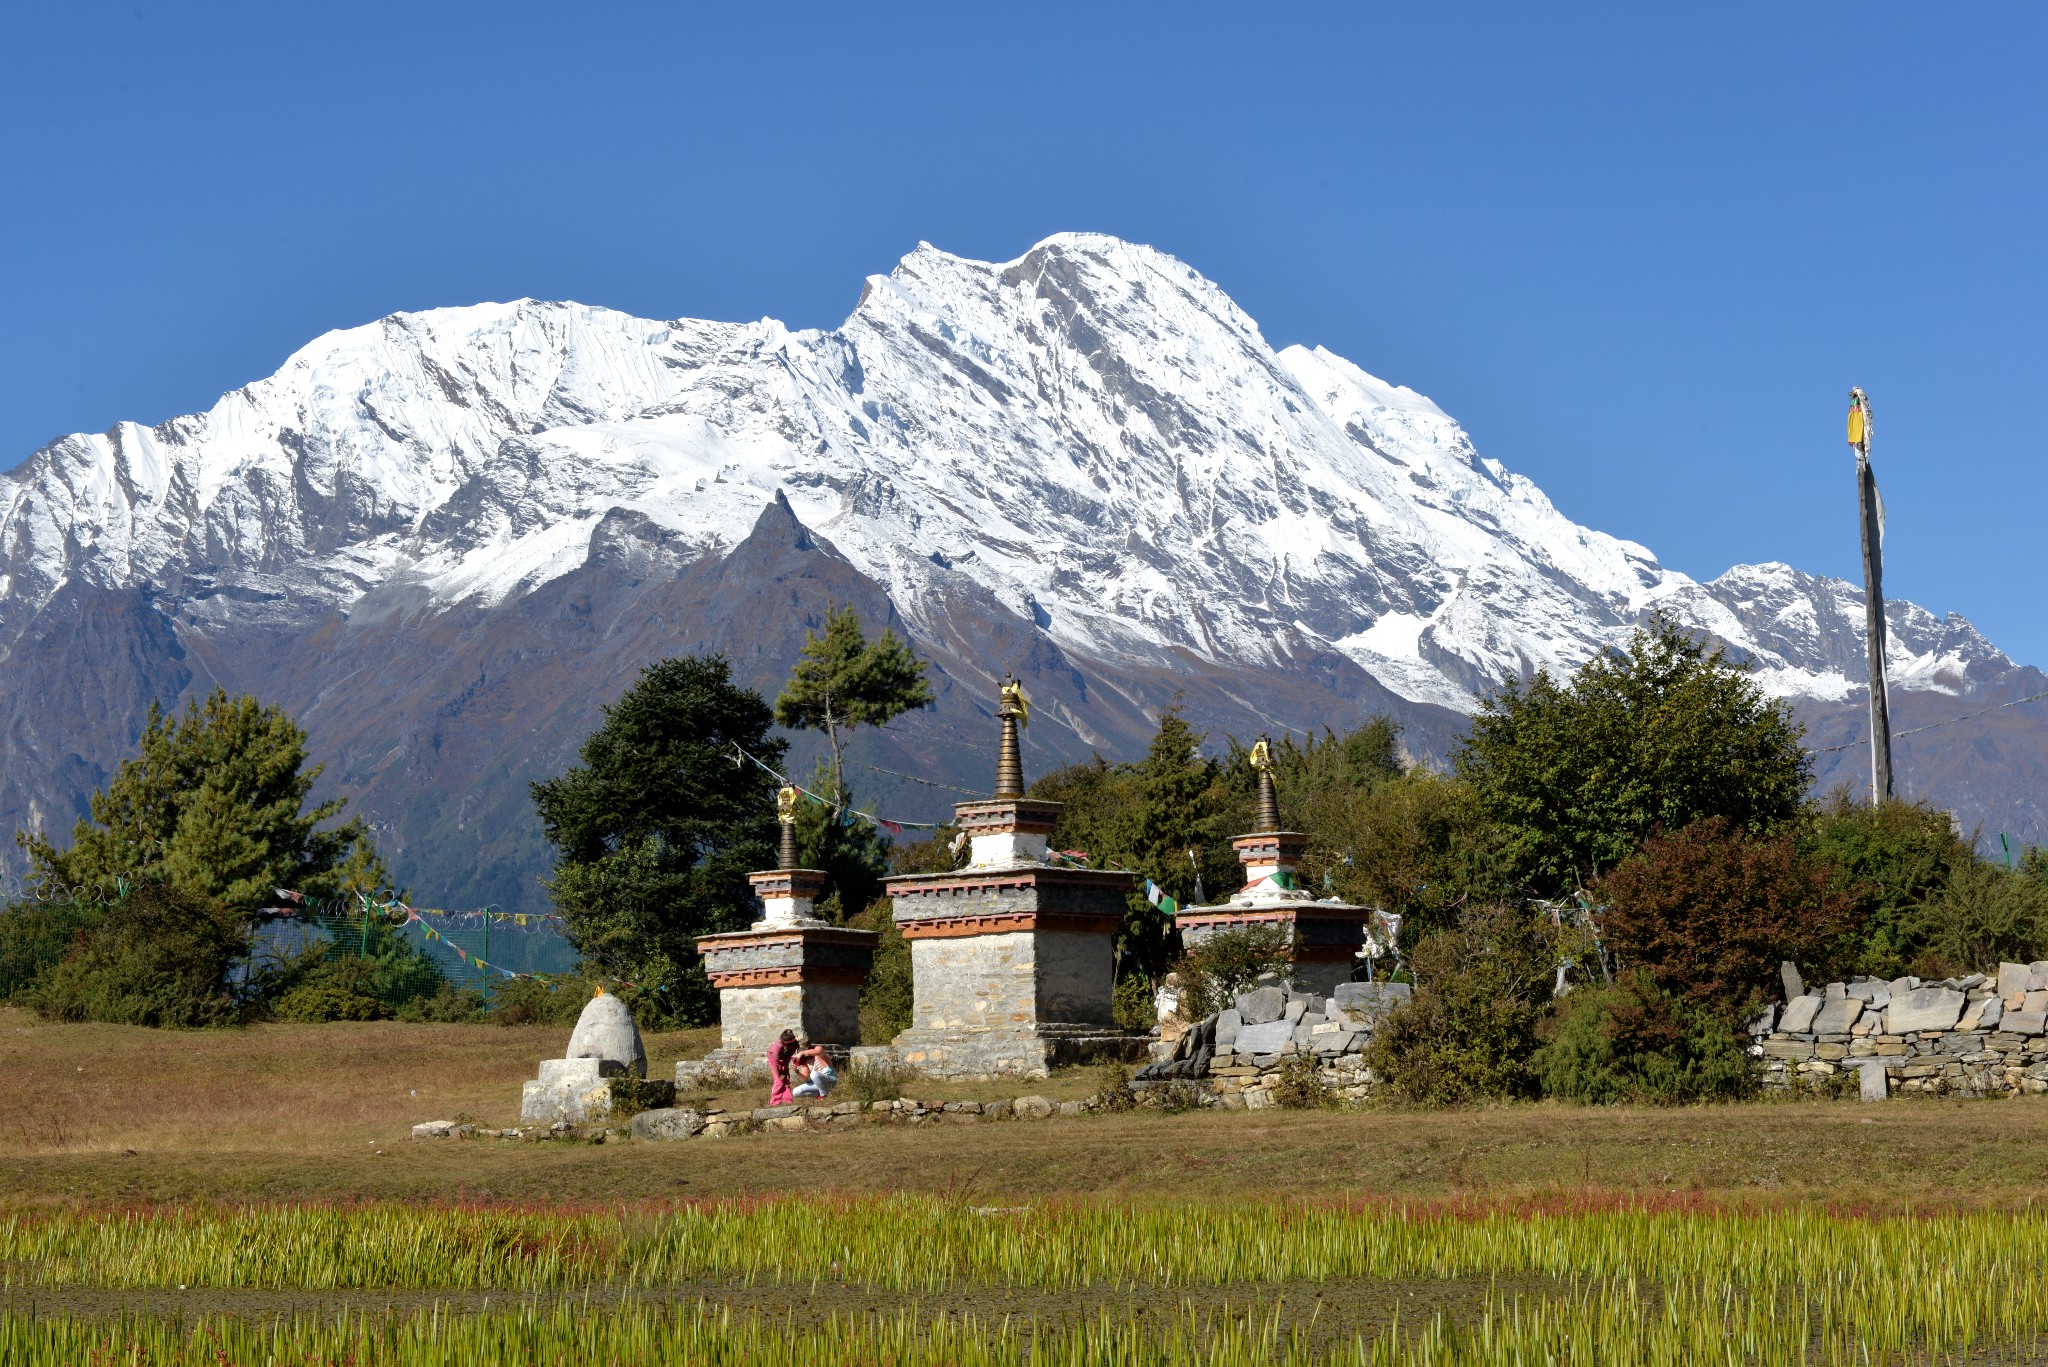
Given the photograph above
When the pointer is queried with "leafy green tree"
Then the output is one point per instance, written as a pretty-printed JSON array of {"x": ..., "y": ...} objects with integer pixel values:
[
  {"x": 1893, "y": 859},
  {"x": 1654, "y": 737},
  {"x": 842, "y": 681},
  {"x": 1984, "y": 913},
  {"x": 214, "y": 804},
  {"x": 1710, "y": 914},
  {"x": 656, "y": 830},
  {"x": 851, "y": 851}
]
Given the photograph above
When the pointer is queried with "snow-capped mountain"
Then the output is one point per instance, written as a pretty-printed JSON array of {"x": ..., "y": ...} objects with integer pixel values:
[{"x": 1085, "y": 464}]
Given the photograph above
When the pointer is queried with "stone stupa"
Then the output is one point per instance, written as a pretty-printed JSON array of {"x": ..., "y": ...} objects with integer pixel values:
[
  {"x": 790, "y": 970},
  {"x": 1324, "y": 935},
  {"x": 1012, "y": 956}
]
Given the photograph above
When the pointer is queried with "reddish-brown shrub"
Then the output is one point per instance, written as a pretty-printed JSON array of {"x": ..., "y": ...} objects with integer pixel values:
[{"x": 1711, "y": 914}]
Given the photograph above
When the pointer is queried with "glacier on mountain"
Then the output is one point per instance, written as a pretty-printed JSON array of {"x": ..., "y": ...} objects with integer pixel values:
[{"x": 1093, "y": 434}]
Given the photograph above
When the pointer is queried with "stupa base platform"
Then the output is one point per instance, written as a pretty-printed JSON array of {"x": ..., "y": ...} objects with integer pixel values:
[
  {"x": 984, "y": 1055},
  {"x": 740, "y": 1068}
]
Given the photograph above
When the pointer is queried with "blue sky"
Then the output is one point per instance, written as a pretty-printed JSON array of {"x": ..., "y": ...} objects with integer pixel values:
[{"x": 1640, "y": 251}]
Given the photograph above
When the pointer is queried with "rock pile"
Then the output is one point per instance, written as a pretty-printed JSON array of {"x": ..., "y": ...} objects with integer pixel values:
[
  {"x": 1251, "y": 1042},
  {"x": 1969, "y": 1036}
]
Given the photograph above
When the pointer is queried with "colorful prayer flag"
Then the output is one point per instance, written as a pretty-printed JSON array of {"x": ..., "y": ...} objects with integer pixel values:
[{"x": 1156, "y": 895}]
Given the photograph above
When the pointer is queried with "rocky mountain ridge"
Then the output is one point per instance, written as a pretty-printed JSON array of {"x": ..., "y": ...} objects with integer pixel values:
[{"x": 444, "y": 537}]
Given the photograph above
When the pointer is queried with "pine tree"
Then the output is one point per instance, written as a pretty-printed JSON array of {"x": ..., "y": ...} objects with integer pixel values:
[
  {"x": 842, "y": 680},
  {"x": 214, "y": 805},
  {"x": 656, "y": 830}
]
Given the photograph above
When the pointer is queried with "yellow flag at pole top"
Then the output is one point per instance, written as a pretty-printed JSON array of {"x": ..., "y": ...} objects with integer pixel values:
[{"x": 1856, "y": 426}]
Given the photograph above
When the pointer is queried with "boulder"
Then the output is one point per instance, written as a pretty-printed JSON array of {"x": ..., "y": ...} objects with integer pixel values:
[
  {"x": 1261, "y": 1005},
  {"x": 1924, "y": 1009},
  {"x": 1872, "y": 1076},
  {"x": 2012, "y": 979},
  {"x": 1228, "y": 1023},
  {"x": 1993, "y": 1011},
  {"x": 1835, "y": 992},
  {"x": 1311, "y": 1004},
  {"x": 1837, "y": 1016},
  {"x": 1267, "y": 1037},
  {"x": 1031, "y": 1108},
  {"x": 671, "y": 1122},
  {"x": 1371, "y": 999},
  {"x": 605, "y": 1030},
  {"x": 1799, "y": 1014},
  {"x": 2034, "y": 1001},
  {"x": 1901, "y": 986},
  {"x": 2037, "y": 975},
  {"x": 1795, "y": 986}
]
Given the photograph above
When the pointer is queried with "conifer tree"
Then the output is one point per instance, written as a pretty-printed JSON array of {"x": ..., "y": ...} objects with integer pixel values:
[
  {"x": 214, "y": 804},
  {"x": 842, "y": 681},
  {"x": 656, "y": 830}
]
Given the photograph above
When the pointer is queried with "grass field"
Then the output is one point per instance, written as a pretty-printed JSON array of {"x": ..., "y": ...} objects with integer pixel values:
[{"x": 249, "y": 1196}]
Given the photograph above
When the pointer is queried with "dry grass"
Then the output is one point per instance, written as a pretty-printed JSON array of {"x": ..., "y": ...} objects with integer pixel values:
[{"x": 103, "y": 1113}]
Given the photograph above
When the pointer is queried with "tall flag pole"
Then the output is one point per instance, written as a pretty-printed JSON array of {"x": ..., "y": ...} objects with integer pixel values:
[{"x": 1870, "y": 514}]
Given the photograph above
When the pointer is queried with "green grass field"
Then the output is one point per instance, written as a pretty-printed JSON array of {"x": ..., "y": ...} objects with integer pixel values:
[{"x": 247, "y": 1197}]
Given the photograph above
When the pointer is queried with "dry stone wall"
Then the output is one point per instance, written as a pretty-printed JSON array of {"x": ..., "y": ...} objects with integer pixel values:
[
  {"x": 1980, "y": 1035},
  {"x": 1267, "y": 1029}
]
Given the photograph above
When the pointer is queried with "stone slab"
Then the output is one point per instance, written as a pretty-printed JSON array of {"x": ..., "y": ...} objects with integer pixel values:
[
  {"x": 668, "y": 1122},
  {"x": 576, "y": 1103},
  {"x": 1228, "y": 1023},
  {"x": 2012, "y": 979},
  {"x": 1924, "y": 1009},
  {"x": 1371, "y": 998},
  {"x": 1265, "y": 1037},
  {"x": 1788, "y": 974},
  {"x": 1837, "y": 1016},
  {"x": 579, "y": 1070},
  {"x": 1262, "y": 1005},
  {"x": 1872, "y": 1076},
  {"x": 1799, "y": 1014},
  {"x": 2023, "y": 1022}
]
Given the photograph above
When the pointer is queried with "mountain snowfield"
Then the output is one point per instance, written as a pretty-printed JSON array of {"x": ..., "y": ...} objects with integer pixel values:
[
  {"x": 1092, "y": 440},
  {"x": 1093, "y": 433}
]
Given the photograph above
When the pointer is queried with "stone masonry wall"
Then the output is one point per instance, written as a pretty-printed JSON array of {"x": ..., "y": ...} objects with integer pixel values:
[
  {"x": 1973, "y": 1036},
  {"x": 974, "y": 982},
  {"x": 750, "y": 1018}
]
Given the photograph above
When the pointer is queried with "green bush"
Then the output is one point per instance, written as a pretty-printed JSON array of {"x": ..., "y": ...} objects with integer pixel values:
[
  {"x": 1470, "y": 1030},
  {"x": 1892, "y": 859},
  {"x": 1984, "y": 914},
  {"x": 161, "y": 956},
  {"x": 887, "y": 997},
  {"x": 1134, "y": 1003},
  {"x": 1300, "y": 1086},
  {"x": 319, "y": 1002},
  {"x": 449, "y": 1006},
  {"x": 35, "y": 936},
  {"x": 1636, "y": 1042},
  {"x": 530, "y": 1001},
  {"x": 1226, "y": 964}
]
